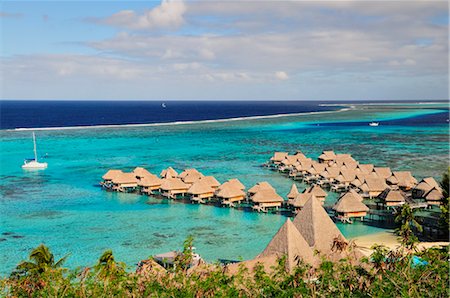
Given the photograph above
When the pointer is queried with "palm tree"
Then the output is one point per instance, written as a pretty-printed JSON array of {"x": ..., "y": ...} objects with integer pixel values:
[
  {"x": 40, "y": 260},
  {"x": 107, "y": 266},
  {"x": 407, "y": 222}
]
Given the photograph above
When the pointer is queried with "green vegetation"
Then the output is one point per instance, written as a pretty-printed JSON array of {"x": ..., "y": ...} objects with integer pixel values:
[
  {"x": 387, "y": 274},
  {"x": 444, "y": 220},
  {"x": 408, "y": 224}
]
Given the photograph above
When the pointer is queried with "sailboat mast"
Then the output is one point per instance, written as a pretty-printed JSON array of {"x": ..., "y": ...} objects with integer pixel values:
[{"x": 34, "y": 149}]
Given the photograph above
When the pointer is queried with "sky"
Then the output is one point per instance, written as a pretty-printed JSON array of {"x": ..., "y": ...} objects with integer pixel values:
[{"x": 218, "y": 50}]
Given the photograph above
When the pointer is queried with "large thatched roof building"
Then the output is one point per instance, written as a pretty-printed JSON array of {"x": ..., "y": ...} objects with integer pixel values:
[{"x": 350, "y": 205}]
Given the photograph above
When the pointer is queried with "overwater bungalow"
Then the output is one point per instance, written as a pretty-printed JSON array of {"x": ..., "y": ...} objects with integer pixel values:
[
  {"x": 168, "y": 173},
  {"x": 434, "y": 197},
  {"x": 327, "y": 157},
  {"x": 402, "y": 179},
  {"x": 265, "y": 199},
  {"x": 188, "y": 172},
  {"x": 230, "y": 193},
  {"x": 318, "y": 192},
  {"x": 235, "y": 182},
  {"x": 372, "y": 187},
  {"x": 287, "y": 163},
  {"x": 289, "y": 242},
  {"x": 124, "y": 182},
  {"x": 424, "y": 187},
  {"x": 344, "y": 159},
  {"x": 259, "y": 186},
  {"x": 108, "y": 177},
  {"x": 300, "y": 156},
  {"x": 192, "y": 177},
  {"x": 313, "y": 173},
  {"x": 300, "y": 169},
  {"x": 328, "y": 176},
  {"x": 343, "y": 181},
  {"x": 141, "y": 172},
  {"x": 211, "y": 181},
  {"x": 277, "y": 158},
  {"x": 382, "y": 172},
  {"x": 293, "y": 192},
  {"x": 173, "y": 188},
  {"x": 200, "y": 191},
  {"x": 316, "y": 226},
  {"x": 299, "y": 201},
  {"x": 349, "y": 166},
  {"x": 365, "y": 168},
  {"x": 391, "y": 198},
  {"x": 149, "y": 183},
  {"x": 350, "y": 205}
]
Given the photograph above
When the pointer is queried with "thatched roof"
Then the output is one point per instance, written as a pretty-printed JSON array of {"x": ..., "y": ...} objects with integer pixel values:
[
  {"x": 365, "y": 168},
  {"x": 289, "y": 160},
  {"x": 173, "y": 183},
  {"x": 150, "y": 180},
  {"x": 390, "y": 195},
  {"x": 434, "y": 195},
  {"x": 375, "y": 184},
  {"x": 402, "y": 179},
  {"x": 268, "y": 263},
  {"x": 278, "y": 156},
  {"x": 111, "y": 174},
  {"x": 300, "y": 200},
  {"x": 304, "y": 165},
  {"x": 316, "y": 226},
  {"x": 331, "y": 172},
  {"x": 349, "y": 165},
  {"x": 289, "y": 242},
  {"x": 211, "y": 181},
  {"x": 200, "y": 187},
  {"x": 350, "y": 202},
  {"x": 427, "y": 184},
  {"x": 229, "y": 190},
  {"x": 192, "y": 177},
  {"x": 237, "y": 183},
  {"x": 383, "y": 172},
  {"x": 187, "y": 172},
  {"x": 168, "y": 173},
  {"x": 316, "y": 168},
  {"x": 300, "y": 156},
  {"x": 317, "y": 191},
  {"x": 327, "y": 155},
  {"x": 260, "y": 186},
  {"x": 141, "y": 172},
  {"x": 346, "y": 176},
  {"x": 293, "y": 192},
  {"x": 266, "y": 196},
  {"x": 125, "y": 178}
]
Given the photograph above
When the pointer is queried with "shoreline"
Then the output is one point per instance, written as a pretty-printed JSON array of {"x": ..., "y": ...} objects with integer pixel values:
[{"x": 187, "y": 122}]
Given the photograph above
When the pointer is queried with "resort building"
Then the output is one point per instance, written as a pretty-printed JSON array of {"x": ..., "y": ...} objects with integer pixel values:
[
  {"x": 149, "y": 183},
  {"x": 350, "y": 205},
  {"x": 108, "y": 177},
  {"x": 343, "y": 181},
  {"x": 168, "y": 173},
  {"x": 124, "y": 182},
  {"x": 391, "y": 198},
  {"x": 316, "y": 226},
  {"x": 365, "y": 168},
  {"x": 383, "y": 173},
  {"x": 313, "y": 173},
  {"x": 299, "y": 201},
  {"x": 173, "y": 188},
  {"x": 403, "y": 180},
  {"x": 287, "y": 163},
  {"x": 259, "y": 186},
  {"x": 265, "y": 199},
  {"x": 434, "y": 197},
  {"x": 211, "y": 181},
  {"x": 192, "y": 177},
  {"x": 230, "y": 193},
  {"x": 277, "y": 158},
  {"x": 141, "y": 172},
  {"x": 292, "y": 193},
  {"x": 200, "y": 191},
  {"x": 329, "y": 176},
  {"x": 372, "y": 187},
  {"x": 317, "y": 192},
  {"x": 235, "y": 183},
  {"x": 424, "y": 187},
  {"x": 327, "y": 157},
  {"x": 289, "y": 242}
]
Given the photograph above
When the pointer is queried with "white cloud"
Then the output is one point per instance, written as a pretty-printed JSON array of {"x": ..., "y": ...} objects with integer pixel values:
[
  {"x": 169, "y": 14},
  {"x": 281, "y": 75}
]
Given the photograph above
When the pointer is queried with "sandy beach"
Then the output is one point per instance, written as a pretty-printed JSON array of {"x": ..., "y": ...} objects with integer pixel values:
[{"x": 388, "y": 239}]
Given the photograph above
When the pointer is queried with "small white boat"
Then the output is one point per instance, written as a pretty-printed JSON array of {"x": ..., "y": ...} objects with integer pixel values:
[
  {"x": 33, "y": 163},
  {"x": 374, "y": 124},
  {"x": 163, "y": 105}
]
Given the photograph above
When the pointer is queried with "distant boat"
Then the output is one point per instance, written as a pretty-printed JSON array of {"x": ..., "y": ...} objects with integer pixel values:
[
  {"x": 163, "y": 105},
  {"x": 33, "y": 163},
  {"x": 374, "y": 124}
]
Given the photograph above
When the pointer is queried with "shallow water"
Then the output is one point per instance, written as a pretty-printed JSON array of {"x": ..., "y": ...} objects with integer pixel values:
[{"x": 63, "y": 207}]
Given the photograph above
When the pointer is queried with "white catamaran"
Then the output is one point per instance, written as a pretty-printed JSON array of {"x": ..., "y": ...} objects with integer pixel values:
[{"x": 33, "y": 163}]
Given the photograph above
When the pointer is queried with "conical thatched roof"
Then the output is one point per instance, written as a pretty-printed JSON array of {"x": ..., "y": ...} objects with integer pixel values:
[
  {"x": 237, "y": 183},
  {"x": 317, "y": 191},
  {"x": 389, "y": 195},
  {"x": 192, "y": 177},
  {"x": 187, "y": 172},
  {"x": 300, "y": 200},
  {"x": 211, "y": 181},
  {"x": 200, "y": 187},
  {"x": 125, "y": 178},
  {"x": 266, "y": 195},
  {"x": 229, "y": 190},
  {"x": 350, "y": 202},
  {"x": 278, "y": 156},
  {"x": 375, "y": 184},
  {"x": 111, "y": 174},
  {"x": 150, "y": 180},
  {"x": 290, "y": 243},
  {"x": 173, "y": 183},
  {"x": 327, "y": 155},
  {"x": 168, "y": 173},
  {"x": 316, "y": 226},
  {"x": 293, "y": 192},
  {"x": 141, "y": 172},
  {"x": 260, "y": 186},
  {"x": 383, "y": 172}
]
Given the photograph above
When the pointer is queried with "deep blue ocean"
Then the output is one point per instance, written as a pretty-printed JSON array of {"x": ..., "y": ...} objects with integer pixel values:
[{"x": 49, "y": 113}]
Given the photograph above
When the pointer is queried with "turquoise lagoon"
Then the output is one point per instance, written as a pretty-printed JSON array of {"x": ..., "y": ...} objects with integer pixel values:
[{"x": 64, "y": 208}]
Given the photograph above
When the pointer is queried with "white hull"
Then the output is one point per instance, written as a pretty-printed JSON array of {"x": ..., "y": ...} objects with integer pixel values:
[
  {"x": 34, "y": 165},
  {"x": 373, "y": 124}
]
